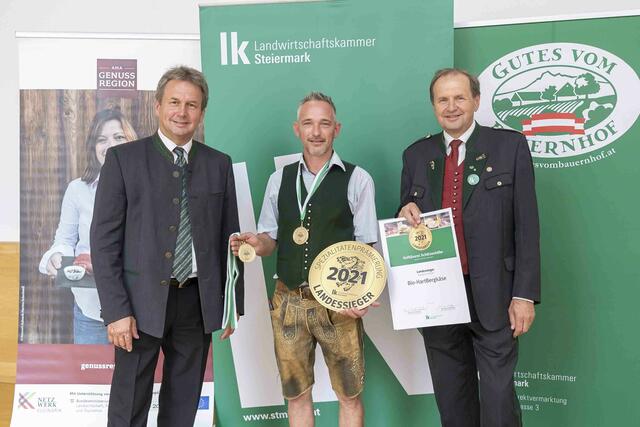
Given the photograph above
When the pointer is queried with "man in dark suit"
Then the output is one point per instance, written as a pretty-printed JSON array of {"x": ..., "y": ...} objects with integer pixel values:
[
  {"x": 486, "y": 177},
  {"x": 165, "y": 208}
]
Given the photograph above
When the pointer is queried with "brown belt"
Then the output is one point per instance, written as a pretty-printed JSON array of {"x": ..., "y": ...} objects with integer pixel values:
[
  {"x": 303, "y": 290},
  {"x": 190, "y": 281}
]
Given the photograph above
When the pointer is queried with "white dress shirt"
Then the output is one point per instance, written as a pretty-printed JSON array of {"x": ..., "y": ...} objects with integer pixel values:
[
  {"x": 72, "y": 238},
  {"x": 462, "y": 149},
  {"x": 360, "y": 195}
]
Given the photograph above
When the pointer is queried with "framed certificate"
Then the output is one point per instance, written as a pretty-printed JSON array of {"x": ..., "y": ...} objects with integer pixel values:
[{"x": 426, "y": 285}]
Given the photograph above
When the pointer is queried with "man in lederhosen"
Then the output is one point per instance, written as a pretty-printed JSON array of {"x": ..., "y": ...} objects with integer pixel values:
[{"x": 309, "y": 205}]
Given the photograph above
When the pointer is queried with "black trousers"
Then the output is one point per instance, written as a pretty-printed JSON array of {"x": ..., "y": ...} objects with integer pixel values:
[
  {"x": 185, "y": 347},
  {"x": 472, "y": 371}
]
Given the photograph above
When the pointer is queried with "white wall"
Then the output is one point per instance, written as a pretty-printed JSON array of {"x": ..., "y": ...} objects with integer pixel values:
[
  {"x": 181, "y": 17},
  {"x": 487, "y": 12}
]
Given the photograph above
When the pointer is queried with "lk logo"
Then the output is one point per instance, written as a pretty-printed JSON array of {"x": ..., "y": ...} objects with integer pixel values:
[{"x": 237, "y": 51}]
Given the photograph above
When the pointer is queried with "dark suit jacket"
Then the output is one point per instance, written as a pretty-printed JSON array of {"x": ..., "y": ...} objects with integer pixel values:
[
  {"x": 134, "y": 230},
  {"x": 500, "y": 214}
]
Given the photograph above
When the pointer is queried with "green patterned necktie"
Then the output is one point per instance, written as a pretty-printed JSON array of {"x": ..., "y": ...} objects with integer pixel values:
[{"x": 182, "y": 262}]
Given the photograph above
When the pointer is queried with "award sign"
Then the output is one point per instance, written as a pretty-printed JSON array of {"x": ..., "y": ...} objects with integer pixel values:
[{"x": 347, "y": 275}]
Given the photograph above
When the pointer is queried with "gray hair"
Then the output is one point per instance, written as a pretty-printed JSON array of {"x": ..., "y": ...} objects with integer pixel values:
[
  {"x": 316, "y": 96},
  {"x": 474, "y": 83},
  {"x": 185, "y": 74}
]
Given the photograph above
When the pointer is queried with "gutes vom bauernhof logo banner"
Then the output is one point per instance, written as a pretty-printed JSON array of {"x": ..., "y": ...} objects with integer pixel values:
[{"x": 570, "y": 100}]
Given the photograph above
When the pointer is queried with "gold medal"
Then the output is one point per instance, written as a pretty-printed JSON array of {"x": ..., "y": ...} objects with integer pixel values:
[
  {"x": 347, "y": 275},
  {"x": 433, "y": 221},
  {"x": 300, "y": 235},
  {"x": 420, "y": 237},
  {"x": 246, "y": 252}
]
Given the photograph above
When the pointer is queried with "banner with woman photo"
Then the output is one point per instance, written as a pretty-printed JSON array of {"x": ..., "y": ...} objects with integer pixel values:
[{"x": 79, "y": 95}]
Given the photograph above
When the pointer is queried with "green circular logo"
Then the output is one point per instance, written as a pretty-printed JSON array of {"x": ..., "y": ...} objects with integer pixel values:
[{"x": 568, "y": 99}]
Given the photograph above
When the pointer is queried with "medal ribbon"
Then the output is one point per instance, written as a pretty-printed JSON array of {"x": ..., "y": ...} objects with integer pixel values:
[
  {"x": 316, "y": 183},
  {"x": 229, "y": 317}
]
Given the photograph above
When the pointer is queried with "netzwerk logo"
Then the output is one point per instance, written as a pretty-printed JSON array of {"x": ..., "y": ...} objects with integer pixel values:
[
  {"x": 24, "y": 400},
  {"x": 569, "y": 99}
]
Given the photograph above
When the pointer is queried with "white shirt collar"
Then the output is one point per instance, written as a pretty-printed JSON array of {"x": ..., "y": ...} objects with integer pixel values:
[
  {"x": 334, "y": 160},
  {"x": 171, "y": 145},
  {"x": 464, "y": 137}
]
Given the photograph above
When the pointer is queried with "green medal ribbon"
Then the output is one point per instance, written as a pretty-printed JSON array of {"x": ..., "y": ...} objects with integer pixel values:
[
  {"x": 229, "y": 317},
  {"x": 316, "y": 183}
]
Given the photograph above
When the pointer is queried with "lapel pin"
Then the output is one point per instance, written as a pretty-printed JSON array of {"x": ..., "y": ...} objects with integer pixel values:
[
  {"x": 433, "y": 165},
  {"x": 481, "y": 157},
  {"x": 473, "y": 179},
  {"x": 489, "y": 169}
]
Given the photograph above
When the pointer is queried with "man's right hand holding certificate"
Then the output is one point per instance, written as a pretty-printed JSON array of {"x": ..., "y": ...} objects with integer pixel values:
[{"x": 484, "y": 176}]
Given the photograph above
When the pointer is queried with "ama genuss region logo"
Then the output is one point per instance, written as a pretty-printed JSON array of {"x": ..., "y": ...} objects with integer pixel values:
[{"x": 568, "y": 99}]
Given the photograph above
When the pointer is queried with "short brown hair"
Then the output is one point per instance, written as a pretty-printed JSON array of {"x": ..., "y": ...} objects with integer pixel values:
[
  {"x": 185, "y": 74},
  {"x": 474, "y": 83}
]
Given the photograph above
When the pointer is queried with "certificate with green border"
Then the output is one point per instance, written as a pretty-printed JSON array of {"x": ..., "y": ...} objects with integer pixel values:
[{"x": 426, "y": 285}]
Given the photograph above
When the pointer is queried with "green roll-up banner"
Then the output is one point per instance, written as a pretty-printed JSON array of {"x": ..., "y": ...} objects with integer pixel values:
[
  {"x": 375, "y": 59},
  {"x": 572, "y": 87}
]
